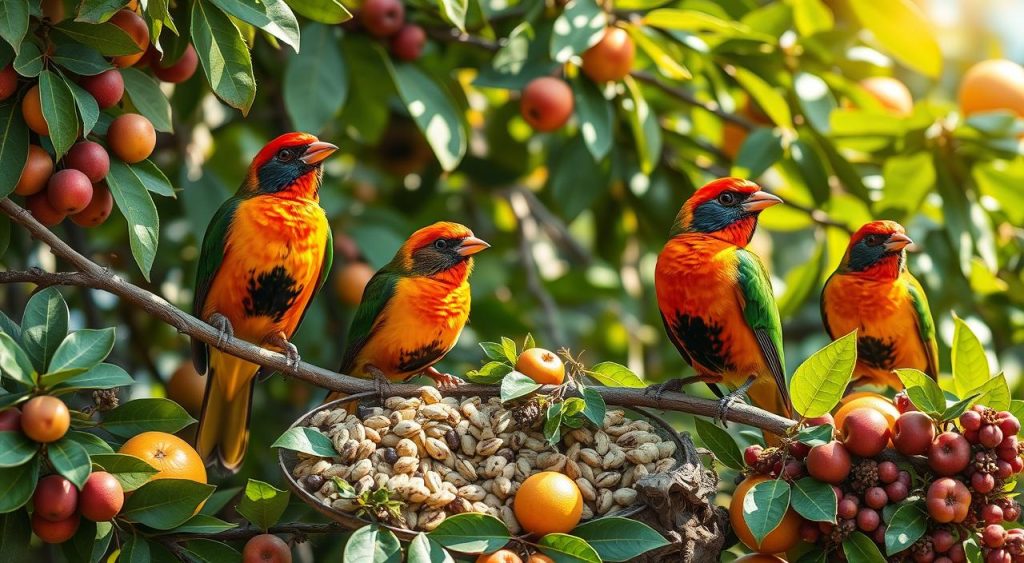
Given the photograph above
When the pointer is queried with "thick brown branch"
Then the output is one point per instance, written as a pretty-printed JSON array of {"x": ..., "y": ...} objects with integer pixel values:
[{"x": 92, "y": 275}]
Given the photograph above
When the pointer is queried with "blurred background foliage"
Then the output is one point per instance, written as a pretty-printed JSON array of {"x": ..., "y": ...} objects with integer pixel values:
[{"x": 768, "y": 90}]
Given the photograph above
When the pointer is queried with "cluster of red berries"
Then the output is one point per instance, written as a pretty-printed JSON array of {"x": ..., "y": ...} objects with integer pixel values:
[
  {"x": 385, "y": 20},
  {"x": 59, "y": 506}
]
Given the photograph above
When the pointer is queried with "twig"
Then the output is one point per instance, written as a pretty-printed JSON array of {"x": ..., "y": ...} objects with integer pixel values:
[
  {"x": 685, "y": 96},
  {"x": 527, "y": 230},
  {"x": 94, "y": 276}
]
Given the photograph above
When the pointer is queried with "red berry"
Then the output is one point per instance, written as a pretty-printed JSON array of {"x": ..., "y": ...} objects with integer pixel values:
[
  {"x": 69, "y": 191},
  {"x": 983, "y": 482},
  {"x": 904, "y": 478},
  {"x": 1009, "y": 425},
  {"x": 866, "y": 432},
  {"x": 382, "y": 18},
  {"x": 913, "y": 433},
  {"x": 949, "y": 453},
  {"x": 1011, "y": 512},
  {"x": 956, "y": 553},
  {"x": 990, "y": 436},
  {"x": 752, "y": 453},
  {"x": 888, "y": 472},
  {"x": 994, "y": 535},
  {"x": 896, "y": 491},
  {"x": 809, "y": 532},
  {"x": 799, "y": 450},
  {"x": 408, "y": 43},
  {"x": 107, "y": 87},
  {"x": 89, "y": 158},
  {"x": 8, "y": 82},
  {"x": 546, "y": 103},
  {"x": 971, "y": 420},
  {"x": 1017, "y": 464},
  {"x": 1003, "y": 469},
  {"x": 992, "y": 514},
  {"x": 971, "y": 435},
  {"x": 868, "y": 520},
  {"x": 879, "y": 535},
  {"x": 846, "y": 509},
  {"x": 942, "y": 540},
  {"x": 903, "y": 402},
  {"x": 875, "y": 497},
  {"x": 180, "y": 70}
]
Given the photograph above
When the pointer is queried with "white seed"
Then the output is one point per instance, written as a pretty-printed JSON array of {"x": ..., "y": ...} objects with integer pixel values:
[
  {"x": 624, "y": 496},
  {"x": 407, "y": 428},
  {"x": 430, "y": 395},
  {"x": 472, "y": 493},
  {"x": 614, "y": 459},
  {"x": 666, "y": 449},
  {"x": 406, "y": 448},
  {"x": 489, "y": 446},
  {"x": 586, "y": 489},
  {"x": 501, "y": 487},
  {"x": 608, "y": 479},
  {"x": 508, "y": 516},
  {"x": 436, "y": 448},
  {"x": 360, "y": 469},
  {"x": 601, "y": 442},
  {"x": 605, "y": 501},
  {"x": 378, "y": 422},
  {"x": 494, "y": 465},
  {"x": 407, "y": 464}
]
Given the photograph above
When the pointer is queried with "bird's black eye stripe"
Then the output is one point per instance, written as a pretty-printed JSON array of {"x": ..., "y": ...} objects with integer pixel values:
[
  {"x": 727, "y": 198},
  {"x": 874, "y": 240},
  {"x": 285, "y": 155}
]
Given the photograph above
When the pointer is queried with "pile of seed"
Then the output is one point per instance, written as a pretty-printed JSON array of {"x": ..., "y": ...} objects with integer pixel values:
[{"x": 441, "y": 456}]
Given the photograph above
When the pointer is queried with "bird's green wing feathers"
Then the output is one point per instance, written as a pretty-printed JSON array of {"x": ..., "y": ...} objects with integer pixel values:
[
  {"x": 925, "y": 324},
  {"x": 762, "y": 315},
  {"x": 376, "y": 296},
  {"x": 210, "y": 258}
]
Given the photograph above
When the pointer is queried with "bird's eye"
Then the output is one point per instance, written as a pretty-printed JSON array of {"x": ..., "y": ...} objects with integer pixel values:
[
  {"x": 874, "y": 240},
  {"x": 727, "y": 198},
  {"x": 440, "y": 244},
  {"x": 285, "y": 155}
]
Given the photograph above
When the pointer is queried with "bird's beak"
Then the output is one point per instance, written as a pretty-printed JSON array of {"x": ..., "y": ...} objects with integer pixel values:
[
  {"x": 897, "y": 242},
  {"x": 471, "y": 245},
  {"x": 760, "y": 200},
  {"x": 318, "y": 152}
]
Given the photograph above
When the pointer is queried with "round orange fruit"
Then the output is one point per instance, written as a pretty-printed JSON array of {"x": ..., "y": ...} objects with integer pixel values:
[
  {"x": 542, "y": 366},
  {"x": 548, "y": 502},
  {"x": 539, "y": 558},
  {"x": 782, "y": 538},
  {"x": 171, "y": 455},
  {"x": 760, "y": 558},
  {"x": 992, "y": 85},
  {"x": 500, "y": 556},
  {"x": 45, "y": 419},
  {"x": 891, "y": 93}
]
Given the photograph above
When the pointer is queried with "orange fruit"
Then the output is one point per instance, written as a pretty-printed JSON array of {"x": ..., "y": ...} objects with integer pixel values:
[
  {"x": 187, "y": 388},
  {"x": 136, "y": 28},
  {"x": 131, "y": 137},
  {"x": 45, "y": 419},
  {"x": 539, "y": 558},
  {"x": 36, "y": 172},
  {"x": 866, "y": 399},
  {"x": 500, "y": 556},
  {"x": 891, "y": 93},
  {"x": 351, "y": 280},
  {"x": 542, "y": 366},
  {"x": 32, "y": 111},
  {"x": 760, "y": 558},
  {"x": 611, "y": 58},
  {"x": 782, "y": 538},
  {"x": 548, "y": 502},
  {"x": 171, "y": 455},
  {"x": 991, "y": 85}
]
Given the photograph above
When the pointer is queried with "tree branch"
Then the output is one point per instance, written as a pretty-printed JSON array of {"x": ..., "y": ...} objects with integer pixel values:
[
  {"x": 687, "y": 97},
  {"x": 92, "y": 275}
]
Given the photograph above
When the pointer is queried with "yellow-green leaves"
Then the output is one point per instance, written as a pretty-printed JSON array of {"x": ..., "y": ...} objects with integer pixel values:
[
  {"x": 820, "y": 382},
  {"x": 970, "y": 365},
  {"x": 224, "y": 56},
  {"x": 903, "y": 31}
]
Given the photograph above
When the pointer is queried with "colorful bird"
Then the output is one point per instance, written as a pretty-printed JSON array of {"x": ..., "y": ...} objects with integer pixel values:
[
  {"x": 414, "y": 308},
  {"x": 716, "y": 297},
  {"x": 266, "y": 252},
  {"x": 873, "y": 291}
]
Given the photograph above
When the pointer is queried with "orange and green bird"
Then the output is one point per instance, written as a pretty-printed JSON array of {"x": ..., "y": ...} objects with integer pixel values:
[
  {"x": 716, "y": 298},
  {"x": 414, "y": 308},
  {"x": 266, "y": 252},
  {"x": 873, "y": 291}
]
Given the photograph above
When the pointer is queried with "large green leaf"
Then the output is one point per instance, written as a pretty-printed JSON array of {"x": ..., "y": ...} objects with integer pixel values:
[
  {"x": 15, "y": 448},
  {"x": 434, "y": 112},
  {"x": 13, "y": 146},
  {"x": 820, "y": 381},
  {"x": 596, "y": 116},
  {"x": 272, "y": 16},
  {"x": 970, "y": 364},
  {"x": 102, "y": 376},
  {"x": 907, "y": 525},
  {"x": 70, "y": 460},
  {"x": 994, "y": 393},
  {"x": 80, "y": 59},
  {"x": 44, "y": 325},
  {"x": 15, "y": 535},
  {"x": 316, "y": 80},
  {"x": 88, "y": 110},
  {"x": 575, "y": 180},
  {"x": 224, "y": 56},
  {"x": 83, "y": 349},
  {"x": 203, "y": 524},
  {"x": 564, "y": 548},
  {"x": 144, "y": 92},
  {"x": 760, "y": 150},
  {"x": 802, "y": 282},
  {"x": 903, "y": 30},
  {"x": 644, "y": 124},
  {"x": 165, "y": 503},
  {"x": 721, "y": 443},
  {"x": 612, "y": 374},
  {"x": 203, "y": 550},
  {"x": 306, "y": 440},
  {"x": 658, "y": 48},
  {"x": 471, "y": 532},
  {"x": 923, "y": 391},
  {"x": 323, "y": 11},
  {"x": 14, "y": 21},
  {"x": 767, "y": 97},
  {"x": 764, "y": 506},
  {"x": 106, "y": 37},
  {"x": 515, "y": 385},
  {"x": 455, "y": 12},
  {"x": 859, "y": 548},
  {"x": 29, "y": 61},
  {"x": 814, "y": 96},
  {"x": 262, "y": 504},
  {"x": 59, "y": 111},
  {"x": 143, "y": 415},
  {"x": 580, "y": 26},
  {"x": 98, "y": 11},
  {"x": 133, "y": 199},
  {"x": 619, "y": 539},
  {"x": 372, "y": 544},
  {"x": 17, "y": 485},
  {"x": 14, "y": 362},
  {"x": 814, "y": 500},
  {"x": 132, "y": 472},
  {"x": 422, "y": 550}
]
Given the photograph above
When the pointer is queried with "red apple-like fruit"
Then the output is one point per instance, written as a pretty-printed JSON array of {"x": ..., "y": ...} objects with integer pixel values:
[
  {"x": 69, "y": 191},
  {"x": 179, "y": 70},
  {"x": 913, "y": 433},
  {"x": 611, "y": 58},
  {"x": 55, "y": 532},
  {"x": 99, "y": 207},
  {"x": 266, "y": 548},
  {"x": 865, "y": 432},
  {"x": 829, "y": 462},
  {"x": 948, "y": 500},
  {"x": 102, "y": 497},
  {"x": 137, "y": 30},
  {"x": 949, "y": 453},
  {"x": 8, "y": 82},
  {"x": 10, "y": 420},
  {"x": 546, "y": 103},
  {"x": 382, "y": 18},
  {"x": 89, "y": 158},
  {"x": 39, "y": 205},
  {"x": 55, "y": 498},
  {"x": 106, "y": 87},
  {"x": 407, "y": 44}
]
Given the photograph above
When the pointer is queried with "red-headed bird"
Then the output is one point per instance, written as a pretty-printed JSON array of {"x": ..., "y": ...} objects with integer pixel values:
[
  {"x": 716, "y": 297},
  {"x": 266, "y": 252},
  {"x": 414, "y": 308},
  {"x": 873, "y": 291}
]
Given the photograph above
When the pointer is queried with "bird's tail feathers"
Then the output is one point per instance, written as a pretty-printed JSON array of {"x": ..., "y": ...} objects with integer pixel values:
[{"x": 223, "y": 433}]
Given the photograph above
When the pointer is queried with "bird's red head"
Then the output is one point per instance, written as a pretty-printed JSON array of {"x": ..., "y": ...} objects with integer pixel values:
[
  {"x": 726, "y": 208},
  {"x": 876, "y": 250},
  {"x": 442, "y": 251},
  {"x": 289, "y": 166}
]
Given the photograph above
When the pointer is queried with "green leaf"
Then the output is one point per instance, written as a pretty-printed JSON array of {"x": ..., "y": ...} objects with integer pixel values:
[
  {"x": 219, "y": 500},
  {"x": 907, "y": 525},
  {"x": 17, "y": 485},
  {"x": 816, "y": 435},
  {"x": 272, "y": 16},
  {"x": 490, "y": 373},
  {"x": 649, "y": 42},
  {"x": 137, "y": 206},
  {"x": 224, "y": 56},
  {"x": 106, "y": 37},
  {"x": 14, "y": 363},
  {"x": 9, "y": 326},
  {"x": 564, "y": 548},
  {"x": 103, "y": 376},
  {"x": 814, "y": 500},
  {"x": 13, "y": 146},
  {"x": 422, "y": 550},
  {"x": 611, "y": 374},
  {"x": 908, "y": 179},
  {"x": 597, "y": 118},
  {"x": 323, "y": 11},
  {"x": 132, "y": 472},
  {"x": 29, "y": 61},
  {"x": 957, "y": 408},
  {"x": 88, "y": 110},
  {"x": 70, "y": 460},
  {"x": 44, "y": 325},
  {"x": 15, "y": 448},
  {"x": 553, "y": 423},
  {"x": 211, "y": 551},
  {"x": 372, "y": 544},
  {"x": 434, "y": 112},
  {"x": 522, "y": 58},
  {"x": 815, "y": 97},
  {"x": 59, "y": 111},
  {"x": 306, "y": 440},
  {"x": 153, "y": 178},
  {"x": 619, "y": 539},
  {"x": 770, "y": 100},
  {"x": 14, "y": 21},
  {"x": 644, "y": 124},
  {"x": 595, "y": 406},
  {"x": 764, "y": 506},
  {"x": 98, "y": 11},
  {"x": 454, "y": 11},
  {"x": 165, "y": 503},
  {"x": 496, "y": 351},
  {"x": 859, "y": 548},
  {"x": 811, "y": 16},
  {"x": 91, "y": 442},
  {"x": 760, "y": 150},
  {"x": 262, "y": 504},
  {"x": 820, "y": 382},
  {"x": 316, "y": 80},
  {"x": 720, "y": 443},
  {"x": 923, "y": 391},
  {"x": 994, "y": 393},
  {"x": 203, "y": 524},
  {"x": 692, "y": 21},
  {"x": 571, "y": 168},
  {"x": 84, "y": 349},
  {"x": 80, "y": 59},
  {"x": 471, "y": 532},
  {"x": 516, "y": 385},
  {"x": 811, "y": 164},
  {"x": 144, "y": 92},
  {"x": 89, "y": 543},
  {"x": 970, "y": 364},
  {"x": 15, "y": 535},
  {"x": 135, "y": 550},
  {"x": 902, "y": 29},
  {"x": 508, "y": 347},
  {"x": 143, "y": 415},
  {"x": 580, "y": 26},
  {"x": 973, "y": 551}
]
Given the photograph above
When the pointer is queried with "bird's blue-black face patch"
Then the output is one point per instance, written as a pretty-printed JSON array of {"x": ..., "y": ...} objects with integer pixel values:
[
  {"x": 869, "y": 250},
  {"x": 420, "y": 358},
  {"x": 702, "y": 341},
  {"x": 271, "y": 293},
  {"x": 717, "y": 214},
  {"x": 876, "y": 352},
  {"x": 284, "y": 169}
]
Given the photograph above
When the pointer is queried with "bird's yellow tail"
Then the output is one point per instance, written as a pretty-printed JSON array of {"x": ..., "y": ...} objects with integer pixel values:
[{"x": 224, "y": 421}]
